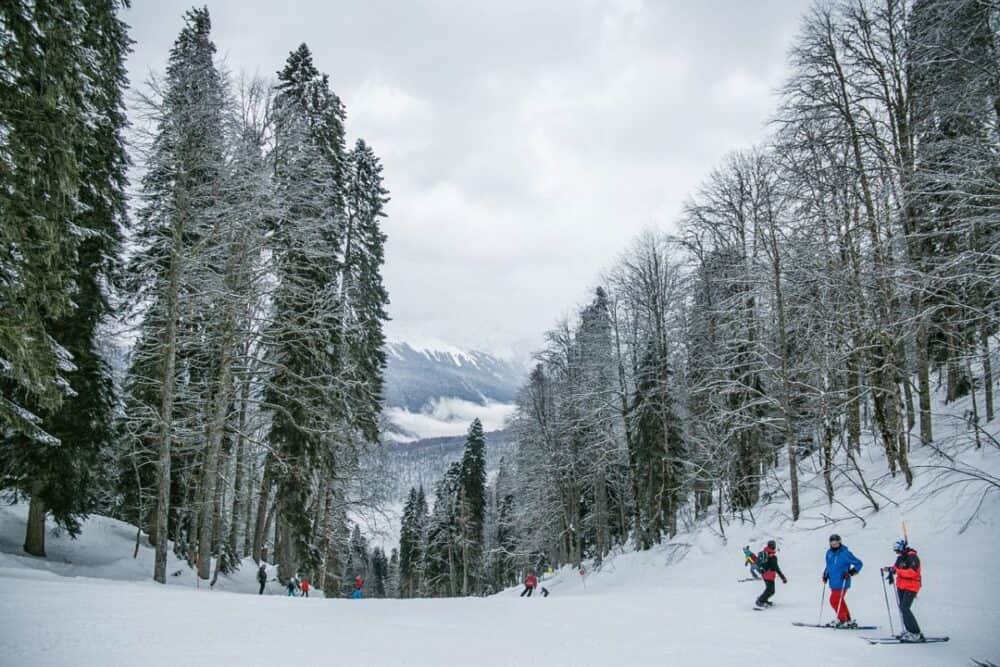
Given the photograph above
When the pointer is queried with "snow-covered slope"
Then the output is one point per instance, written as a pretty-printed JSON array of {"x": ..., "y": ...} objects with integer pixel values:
[{"x": 90, "y": 603}]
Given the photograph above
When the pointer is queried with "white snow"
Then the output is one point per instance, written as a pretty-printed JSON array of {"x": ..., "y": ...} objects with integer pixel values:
[{"x": 90, "y": 603}]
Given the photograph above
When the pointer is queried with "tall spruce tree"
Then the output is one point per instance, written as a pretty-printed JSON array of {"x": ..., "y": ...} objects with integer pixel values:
[
  {"x": 305, "y": 337},
  {"x": 472, "y": 507},
  {"x": 178, "y": 200},
  {"x": 78, "y": 145}
]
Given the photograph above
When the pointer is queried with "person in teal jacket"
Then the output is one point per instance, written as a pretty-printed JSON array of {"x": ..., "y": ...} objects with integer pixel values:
[{"x": 841, "y": 565}]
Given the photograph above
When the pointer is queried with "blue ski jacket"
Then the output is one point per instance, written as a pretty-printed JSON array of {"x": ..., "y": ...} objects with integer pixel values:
[{"x": 838, "y": 562}]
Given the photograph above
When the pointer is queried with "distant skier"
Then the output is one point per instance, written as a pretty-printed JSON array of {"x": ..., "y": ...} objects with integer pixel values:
[
  {"x": 906, "y": 573},
  {"x": 750, "y": 560},
  {"x": 767, "y": 563},
  {"x": 530, "y": 583},
  {"x": 262, "y": 577},
  {"x": 292, "y": 586},
  {"x": 305, "y": 586},
  {"x": 358, "y": 586},
  {"x": 841, "y": 565}
]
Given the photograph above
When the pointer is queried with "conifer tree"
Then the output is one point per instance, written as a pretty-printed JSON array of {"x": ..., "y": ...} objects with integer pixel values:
[
  {"x": 178, "y": 201},
  {"x": 86, "y": 75},
  {"x": 472, "y": 507},
  {"x": 305, "y": 337}
]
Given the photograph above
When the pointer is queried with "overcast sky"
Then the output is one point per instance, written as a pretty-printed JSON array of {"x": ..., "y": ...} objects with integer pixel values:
[{"x": 524, "y": 144}]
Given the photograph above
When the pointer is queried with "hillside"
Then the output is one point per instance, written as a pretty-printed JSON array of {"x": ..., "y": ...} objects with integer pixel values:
[{"x": 679, "y": 603}]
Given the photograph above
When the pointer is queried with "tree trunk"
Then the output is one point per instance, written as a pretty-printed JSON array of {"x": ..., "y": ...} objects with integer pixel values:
[
  {"x": 167, "y": 402},
  {"x": 216, "y": 431},
  {"x": 260, "y": 529},
  {"x": 34, "y": 537},
  {"x": 987, "y": 372},
  {"x": 924, "y": 383}
]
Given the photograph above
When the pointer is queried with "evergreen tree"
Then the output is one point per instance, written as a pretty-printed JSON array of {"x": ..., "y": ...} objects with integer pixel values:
[
  {"x": 178, "y": 202},
  {"x": 363, "y": 297},
  {"x": 472, "y": 507},
  {"x": 66, "y": 480},
  {"x": 41, "y": 123},
  {"x": 659, "y": 448},
  {"x": 305, "y": 337}
]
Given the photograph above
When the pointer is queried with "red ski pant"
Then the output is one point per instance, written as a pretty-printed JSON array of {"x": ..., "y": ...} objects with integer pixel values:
[{"x": 839, "y": 603}]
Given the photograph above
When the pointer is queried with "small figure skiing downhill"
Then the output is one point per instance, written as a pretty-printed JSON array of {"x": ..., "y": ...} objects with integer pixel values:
[
  {"x": 841, "y": 565},
  {"x": 750, "y": 561},
  {"x": 262, "y": 576},
  {"x": 305, "y": 586},
  {"x": 767, "y": 563},
  {"x": 359, "y": 584},
  {"x": 530, "y": 583}
]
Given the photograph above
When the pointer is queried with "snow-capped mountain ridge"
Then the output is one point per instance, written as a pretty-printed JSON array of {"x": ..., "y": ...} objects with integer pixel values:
[{"x": 436, "y": 391}]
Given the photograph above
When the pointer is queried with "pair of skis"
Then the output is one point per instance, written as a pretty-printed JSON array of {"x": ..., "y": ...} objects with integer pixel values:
[{"x": 875, "y": 640}]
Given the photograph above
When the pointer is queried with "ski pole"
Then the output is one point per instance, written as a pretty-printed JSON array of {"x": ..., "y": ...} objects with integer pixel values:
[
  {"x": 888, "y": 611},
  {"x": 822, "y": 599}
]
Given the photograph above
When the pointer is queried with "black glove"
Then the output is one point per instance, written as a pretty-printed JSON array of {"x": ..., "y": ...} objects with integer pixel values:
[
  {"x": 852, "y": 572},
  {"x": 826, "y": 577},
  {"x": 784, "y": 580},
  {"x": 847, "y": 575}
]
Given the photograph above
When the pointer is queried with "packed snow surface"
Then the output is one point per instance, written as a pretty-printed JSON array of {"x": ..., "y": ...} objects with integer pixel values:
[{"x": 91, "y": 603}]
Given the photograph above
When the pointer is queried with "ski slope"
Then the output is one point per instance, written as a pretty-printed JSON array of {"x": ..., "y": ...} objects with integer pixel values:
[{"x": 91, "y": 603}]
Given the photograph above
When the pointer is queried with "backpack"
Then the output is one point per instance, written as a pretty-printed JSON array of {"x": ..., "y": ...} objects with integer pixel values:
[{"x": 763, "y": 560}]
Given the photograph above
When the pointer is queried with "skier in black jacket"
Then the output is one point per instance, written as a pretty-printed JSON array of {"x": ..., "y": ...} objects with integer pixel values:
[
  {"x": 769, "y": 570},
  {"x": 262, "y": 576}
]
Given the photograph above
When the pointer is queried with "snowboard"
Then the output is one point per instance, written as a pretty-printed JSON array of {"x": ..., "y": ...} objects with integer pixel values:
[
  {"x": 833, "y": 627},
  {"x": 897, "y": 640}
]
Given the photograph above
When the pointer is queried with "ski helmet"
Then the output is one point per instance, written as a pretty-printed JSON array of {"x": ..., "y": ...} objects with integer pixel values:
[
  {"x": 835, "y": 538},
  {"x": 772, "y": 544},
  {"x": 899, "y": 546}
]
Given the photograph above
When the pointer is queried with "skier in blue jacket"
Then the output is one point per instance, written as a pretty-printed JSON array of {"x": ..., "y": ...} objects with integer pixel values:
[{"x": 841, "y": 565}]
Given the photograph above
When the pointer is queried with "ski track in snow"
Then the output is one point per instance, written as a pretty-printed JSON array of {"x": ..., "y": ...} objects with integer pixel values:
[{"x": 91, "y": 604}]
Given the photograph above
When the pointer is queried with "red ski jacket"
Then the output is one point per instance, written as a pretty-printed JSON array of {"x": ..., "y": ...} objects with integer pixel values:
[
  {"x": 770, "y": 570},
  {"x": 908, "y": 571},
  {"x": 305, "y": 585},
  {"x": 531, "y": 581}
]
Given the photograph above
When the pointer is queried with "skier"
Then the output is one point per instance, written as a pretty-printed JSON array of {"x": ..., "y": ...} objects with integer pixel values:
[
  {"x": 906, "y": 573},
  {"x": 841, "y": 565},
  {"x": 304, "y": 585},
  {"x": 767, "y": 563},
  {"x": 358, "y": 584},
  {"x": 750, "y": 560},
  {"x": 530, "y": 582},
  {"x": 292, "y": 586},
  {"x": 262, "y": 576}
]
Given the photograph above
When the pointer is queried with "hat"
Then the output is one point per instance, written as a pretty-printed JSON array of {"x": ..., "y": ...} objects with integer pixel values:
[
  {"x": 772, "y": 544},
  {"x": 899, "y": 546},
  {"x": 835, "y": 538}
]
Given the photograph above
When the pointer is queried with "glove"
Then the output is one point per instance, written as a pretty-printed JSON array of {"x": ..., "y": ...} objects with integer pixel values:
[
  {"x": 852, "y": 572},
  {"x": 847, "y": 575},
  {"x": 784, "y": 580},
  {"x": 826, "y": 577}
]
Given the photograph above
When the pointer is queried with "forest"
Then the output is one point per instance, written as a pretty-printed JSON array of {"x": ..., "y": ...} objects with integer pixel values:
[
  {"x": 192, "y": 311},
  {"x": 817, "y": 288}
]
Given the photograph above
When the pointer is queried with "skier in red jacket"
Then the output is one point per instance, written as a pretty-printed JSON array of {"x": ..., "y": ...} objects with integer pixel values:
[
  {"x": 769, "y": 572},
  {"x": 358, "y": 585},
  {"x": 906, "y": 573},
  {"x": 530, "y": 583},
  {"x": 304, "y": 586}
]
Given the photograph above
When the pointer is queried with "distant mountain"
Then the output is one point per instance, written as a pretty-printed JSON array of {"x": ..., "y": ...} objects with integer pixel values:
[{"x": 434, "y": 392}]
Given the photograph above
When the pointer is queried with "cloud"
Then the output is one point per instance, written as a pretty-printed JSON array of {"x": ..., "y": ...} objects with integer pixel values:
[
  {"x": 450, "y": 416},
  {"x": 524, "y": 143}
]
